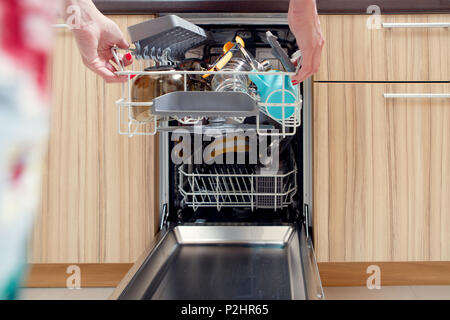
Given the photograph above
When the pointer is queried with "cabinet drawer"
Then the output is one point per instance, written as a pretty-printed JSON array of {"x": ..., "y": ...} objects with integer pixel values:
[
  {"x": 405, "y": 48},
  {"x": 381, "y": 171}
]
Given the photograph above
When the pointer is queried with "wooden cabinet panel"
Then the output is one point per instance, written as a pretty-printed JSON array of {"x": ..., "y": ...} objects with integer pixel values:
[
  {"x": 381, "y": 173},
  {"x": 99, "y": 195},
  {"x": 353, "y": 52}
]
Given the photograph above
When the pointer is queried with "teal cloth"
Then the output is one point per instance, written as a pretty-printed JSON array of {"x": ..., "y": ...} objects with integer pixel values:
[{"x": 10, "y": 291}]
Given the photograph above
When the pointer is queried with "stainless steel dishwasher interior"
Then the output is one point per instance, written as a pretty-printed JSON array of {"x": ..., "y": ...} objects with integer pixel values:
[
  {"x": 226, "y": 262},
  {"x": 206, "y": 251}
]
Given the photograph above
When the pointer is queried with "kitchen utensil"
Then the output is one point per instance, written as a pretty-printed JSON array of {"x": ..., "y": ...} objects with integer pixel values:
[
  {"x": 279, "y": 53},
  {"x": 169, "y": 34},
  {"x": 230, "y": 82},
  {"x": 270, "y": 90},
  {"x": 297, "y": 56},
  {"x": 228, "y": 49},
  {"x": 195, "y": 82},
  {"x": 205, "y": 103},
  {"x": 252, "y": 61},
  {"x": 146, "y": 87}
]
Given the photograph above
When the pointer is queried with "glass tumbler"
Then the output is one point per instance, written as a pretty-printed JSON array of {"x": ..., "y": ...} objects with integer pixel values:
[{"x": 230, "y": 82}]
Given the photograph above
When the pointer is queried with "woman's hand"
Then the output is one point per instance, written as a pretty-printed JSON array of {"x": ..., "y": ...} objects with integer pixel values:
[
  {"x": 96, "y": 35},
  {"x": 304, "y": 24}
]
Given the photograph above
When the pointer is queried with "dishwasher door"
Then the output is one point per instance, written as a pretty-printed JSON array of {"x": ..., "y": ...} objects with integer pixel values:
[{"x": 226, "y": 262}]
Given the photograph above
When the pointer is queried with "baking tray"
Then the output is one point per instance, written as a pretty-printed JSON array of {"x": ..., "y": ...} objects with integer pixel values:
[
  {"x": 233, "y": 261},
  {"x": 205, "y": 104}
]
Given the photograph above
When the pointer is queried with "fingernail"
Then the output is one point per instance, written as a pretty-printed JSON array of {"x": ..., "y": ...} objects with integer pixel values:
[
  {"x": 294, "y": 82},
  {"x": 132, "y": 76},
  {"x": 129, "y": 56}
]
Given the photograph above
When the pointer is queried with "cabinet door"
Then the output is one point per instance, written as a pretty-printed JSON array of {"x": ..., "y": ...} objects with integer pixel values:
[
  {"x": 402, "y": 51},
  {"x": 381, "y": 172},
  {"x": 99, "y": 195}
]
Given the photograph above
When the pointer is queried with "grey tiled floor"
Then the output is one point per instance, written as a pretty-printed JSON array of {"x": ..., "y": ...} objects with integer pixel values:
[{"x": 331, "y": 293}]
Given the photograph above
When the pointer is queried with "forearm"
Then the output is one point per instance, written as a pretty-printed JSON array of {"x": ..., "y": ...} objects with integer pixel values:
[
  {"x": 303, "y": 12},
  {"x": 79, "y": 13},
  {"x": 305, "y": 25},
  {"x": 302, "y": 7},
  {"x": 95, "y": 35}
]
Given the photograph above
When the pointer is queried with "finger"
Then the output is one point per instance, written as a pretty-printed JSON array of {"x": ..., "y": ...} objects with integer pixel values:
[
  {"x": 104, "y": 69},
  {"x": 305, "y": 70},
  {"x": 111, "y": 60},
  {"x": 106, "y": 53},
  {"x": 107, "y": 73},
  {"x": 313, "y": 64},
  {"x": 113, "y": 69},
  {"x": 123, "y": 43},
  {"x": 311, "y": 68},
  {"x": 110, "y": 67},
  {"x": 318, "y": 56},
  {"x": 304, "y": 73},
  {"x": 127, "y": 59},
  {"x": 316, "y": 61}
]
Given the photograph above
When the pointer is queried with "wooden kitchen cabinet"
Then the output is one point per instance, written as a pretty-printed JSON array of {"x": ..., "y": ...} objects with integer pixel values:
[
  {"x": 99, "y": 194},
  {"x": 381, "y": 172},
  {"x": 353, "y": 52}
]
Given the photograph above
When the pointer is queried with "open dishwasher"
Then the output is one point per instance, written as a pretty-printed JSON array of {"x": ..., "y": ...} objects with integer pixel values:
[{"x": 235, "y": 169}]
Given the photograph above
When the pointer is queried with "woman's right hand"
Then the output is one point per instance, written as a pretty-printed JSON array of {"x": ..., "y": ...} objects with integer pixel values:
[{"x": 305, "y": 25}]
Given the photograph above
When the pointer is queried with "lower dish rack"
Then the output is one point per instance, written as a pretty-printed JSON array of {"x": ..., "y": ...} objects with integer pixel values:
[{"x": 222, "y": 186}]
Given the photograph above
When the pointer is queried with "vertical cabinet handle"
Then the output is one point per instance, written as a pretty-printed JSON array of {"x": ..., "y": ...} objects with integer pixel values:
[
  {"x": 417, "y": 95},
  {"x": 417, "y": 25}
]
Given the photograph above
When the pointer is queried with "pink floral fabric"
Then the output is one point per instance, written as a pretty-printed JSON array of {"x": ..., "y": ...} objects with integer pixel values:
[{"x": 25, "y": 43}]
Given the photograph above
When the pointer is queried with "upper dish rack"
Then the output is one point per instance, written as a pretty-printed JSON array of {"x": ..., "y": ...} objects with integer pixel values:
[
  {"x": 287, "y": 125},
  {"x": 155, "y": 97}
]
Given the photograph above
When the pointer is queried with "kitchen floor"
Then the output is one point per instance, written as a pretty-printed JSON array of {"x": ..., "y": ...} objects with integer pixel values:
[{"x": 331, "y": 293}]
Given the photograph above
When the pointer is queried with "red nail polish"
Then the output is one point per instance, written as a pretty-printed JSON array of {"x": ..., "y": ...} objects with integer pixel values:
[
  {"x": 132, "y": 76},
  {"x": 294, "y": 82},
  {"x": 128, "y": 56}
]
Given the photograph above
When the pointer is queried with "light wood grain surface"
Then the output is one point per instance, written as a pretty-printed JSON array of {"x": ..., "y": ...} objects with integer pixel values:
[
  {"x": 354, "y": 52},
  {"x": 55, "y": 275},
  {"x": 381, "y": 173},
  {"x": 347, "y": 274},
  {"x": 331, "y": 274},
  {"x": 99, "y": 194}
]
